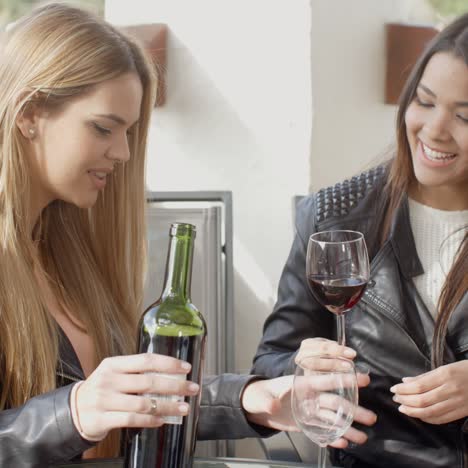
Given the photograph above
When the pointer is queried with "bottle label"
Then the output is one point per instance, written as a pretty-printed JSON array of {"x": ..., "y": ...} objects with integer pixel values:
[{"x": 175, "y": 398}]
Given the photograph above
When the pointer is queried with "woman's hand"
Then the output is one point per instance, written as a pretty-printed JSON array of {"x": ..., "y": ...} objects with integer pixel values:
[
  {"x": 436, "y": 397},
  {"x": 112, "y": 396},
  {"x": 361, "y": 416},
  {"x": 320, "y": 346},
  {"x": 268, "y": 403}
]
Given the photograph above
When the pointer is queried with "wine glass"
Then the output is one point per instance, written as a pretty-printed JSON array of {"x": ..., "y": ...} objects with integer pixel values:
[
  {"x": 337, "y": 272},
  {"x": 324, "y": 399}
]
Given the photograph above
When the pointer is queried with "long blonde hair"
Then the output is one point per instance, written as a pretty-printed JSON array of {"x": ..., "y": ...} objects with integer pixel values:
[{"x": 95, "y": 258}]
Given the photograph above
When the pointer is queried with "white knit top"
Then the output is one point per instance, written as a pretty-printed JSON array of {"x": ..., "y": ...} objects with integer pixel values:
[{"x": 437, "y": 235}]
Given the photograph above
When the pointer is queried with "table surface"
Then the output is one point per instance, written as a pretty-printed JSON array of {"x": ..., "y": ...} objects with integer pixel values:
[
  {"x": 199, "y": 463},
  {"x": 242, "y": 463}
]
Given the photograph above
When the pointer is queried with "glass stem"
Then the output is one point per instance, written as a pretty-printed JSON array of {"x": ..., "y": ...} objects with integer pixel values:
[
  {"x": 322, "y": 457},
  {"x": 340, "y": 329}
]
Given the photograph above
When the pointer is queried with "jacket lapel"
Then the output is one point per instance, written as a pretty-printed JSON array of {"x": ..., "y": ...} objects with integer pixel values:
[
  {"x": 69, "y": 367},
  {"x": 402, "y": 240},
  {"x": 394, "y": 266},
  {"x": 457, "y": 334}
]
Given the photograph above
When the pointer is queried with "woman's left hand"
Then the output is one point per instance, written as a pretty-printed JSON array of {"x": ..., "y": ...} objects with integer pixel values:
[
  {"x": 436, "y": 397},
  {"x": 268, "y": 403}
]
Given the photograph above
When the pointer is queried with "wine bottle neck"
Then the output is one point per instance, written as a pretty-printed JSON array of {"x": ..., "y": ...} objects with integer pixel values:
[{"x": 177, "y": 282}]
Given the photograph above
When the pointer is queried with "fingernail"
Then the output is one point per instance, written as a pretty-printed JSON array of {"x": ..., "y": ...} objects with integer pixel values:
[
  {"x": 185, "y": 365},
  {"x": 362, "y": 368},
  {"x": 348, "y": 352},
  {"x": 193, "y": 387},
  {"x": 401, "y": 409},
  {"x": 345, "y": 365},
  {"x": 392, "y": 389},
  {"x": 395, "y": 398},
  {"x": 406, "y": 379},
  {"x": 183, "y": 408}
]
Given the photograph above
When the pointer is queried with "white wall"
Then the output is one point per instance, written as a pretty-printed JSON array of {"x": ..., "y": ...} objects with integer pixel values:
[
  {"x": 237, "y": 117},
  {"x": 352, "y": 125}
]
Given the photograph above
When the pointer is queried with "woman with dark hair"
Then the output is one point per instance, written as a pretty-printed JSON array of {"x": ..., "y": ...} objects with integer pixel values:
[{"x": 410, "y": 326}]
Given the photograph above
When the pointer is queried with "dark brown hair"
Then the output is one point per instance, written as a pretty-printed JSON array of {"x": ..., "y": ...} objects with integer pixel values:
[{"x": 452, "y": 39}]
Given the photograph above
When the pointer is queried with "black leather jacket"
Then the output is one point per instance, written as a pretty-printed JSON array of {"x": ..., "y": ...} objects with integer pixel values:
[
  {"x": 387, "y": 328},
  {"x": 41, "y": 433}
]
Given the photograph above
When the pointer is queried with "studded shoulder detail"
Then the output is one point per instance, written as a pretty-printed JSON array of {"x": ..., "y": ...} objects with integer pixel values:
[{"x": 338, "y": 200}]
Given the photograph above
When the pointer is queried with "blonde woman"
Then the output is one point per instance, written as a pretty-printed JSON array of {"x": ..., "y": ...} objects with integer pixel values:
[{"x": 75, "y": 102}]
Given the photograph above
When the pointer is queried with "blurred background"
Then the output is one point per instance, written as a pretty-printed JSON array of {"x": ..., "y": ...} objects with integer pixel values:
[{"x": 268, "y": 99}]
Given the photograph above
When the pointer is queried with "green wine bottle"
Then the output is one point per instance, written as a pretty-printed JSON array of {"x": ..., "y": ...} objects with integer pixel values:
[{"x": 172, "y": 326}]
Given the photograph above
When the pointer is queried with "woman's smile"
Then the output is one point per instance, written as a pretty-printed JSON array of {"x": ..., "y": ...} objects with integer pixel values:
[
  {"x": 434, "y": 158},
  {"x": 99, "y": 177}
]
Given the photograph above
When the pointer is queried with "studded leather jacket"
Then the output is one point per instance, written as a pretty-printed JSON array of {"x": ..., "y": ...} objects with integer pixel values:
[
  {"x": 390, "y": 328},
  {"x": 41, "y": 432}
]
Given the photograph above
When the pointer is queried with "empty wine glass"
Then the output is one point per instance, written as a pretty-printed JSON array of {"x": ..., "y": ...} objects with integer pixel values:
[
  {"x": 337, "y": 267},
  {"x": 324, "y": 399}
]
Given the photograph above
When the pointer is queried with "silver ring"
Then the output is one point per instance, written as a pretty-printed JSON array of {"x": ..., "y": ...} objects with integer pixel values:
[{"x": 154, "y": 405}]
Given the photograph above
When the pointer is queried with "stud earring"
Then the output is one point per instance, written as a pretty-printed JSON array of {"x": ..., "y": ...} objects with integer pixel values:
[{"x": 32, "y": 132}]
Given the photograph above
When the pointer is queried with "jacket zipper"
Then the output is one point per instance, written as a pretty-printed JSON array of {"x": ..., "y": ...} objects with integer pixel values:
[
  {"x": 69, "y": 377},
  {"x": 372, "y": 300}
]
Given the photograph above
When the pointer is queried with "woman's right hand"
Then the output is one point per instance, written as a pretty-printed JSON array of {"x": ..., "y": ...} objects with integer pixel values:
[
  {"x": 113, "y": 395},
  {"x": 322, "y": 346},
  {"x": 315, "y": 347}
]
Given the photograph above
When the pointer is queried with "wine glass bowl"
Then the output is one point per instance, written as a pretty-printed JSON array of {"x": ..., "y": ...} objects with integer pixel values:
[
  {"x": 324, "y": 398},
  {"x": 337, "y": 268}
]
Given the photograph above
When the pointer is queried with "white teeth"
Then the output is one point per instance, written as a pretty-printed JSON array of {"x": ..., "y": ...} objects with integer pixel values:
[
  {"x": 436, "y": 155},
  {"x": 100, "y": 175}
]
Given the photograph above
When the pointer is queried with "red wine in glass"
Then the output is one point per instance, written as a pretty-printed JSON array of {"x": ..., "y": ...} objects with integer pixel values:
[
  {"x": 337, "y": 269},
  {"x": 337, "y": 295}
]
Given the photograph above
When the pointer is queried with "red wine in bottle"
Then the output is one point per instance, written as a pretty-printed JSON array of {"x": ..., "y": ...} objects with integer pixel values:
[{"x": 172, "y": 326}]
